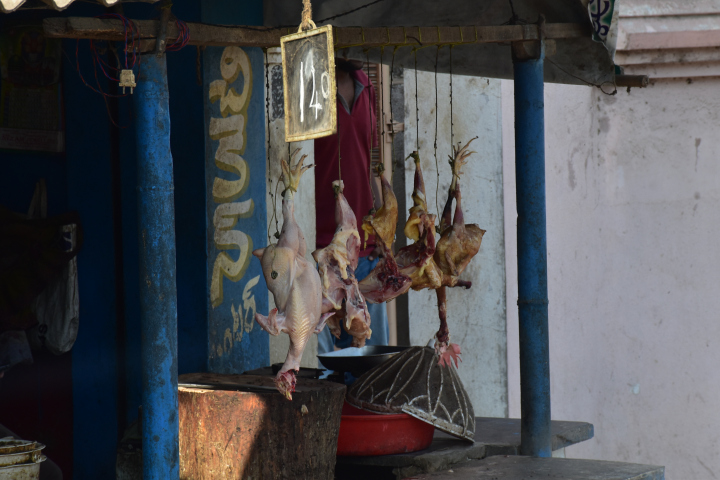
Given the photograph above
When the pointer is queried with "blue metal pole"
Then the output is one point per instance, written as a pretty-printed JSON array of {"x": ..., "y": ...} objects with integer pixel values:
[
  {"x": 532, "y": 256},
  {"x": 158, "y": 293}
]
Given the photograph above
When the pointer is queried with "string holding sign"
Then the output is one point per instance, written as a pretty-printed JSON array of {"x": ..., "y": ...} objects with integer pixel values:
[{"x": 309, "y": 80}]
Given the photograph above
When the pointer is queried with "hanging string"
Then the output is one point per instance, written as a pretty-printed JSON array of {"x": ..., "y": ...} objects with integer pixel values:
[
  {"x": 370, "y": 127},
  {"x": 437, "y": 167},
  {"x": 339, "y": 155},
  {"x": 307, "y": 16},
  {"x": 417, "y": 113},
  {"x": 452, "y": 136},
  {"x": 267, "y": 116},
  {"x": 392, "y": 120},
  {"x": 382, "y": 99}
]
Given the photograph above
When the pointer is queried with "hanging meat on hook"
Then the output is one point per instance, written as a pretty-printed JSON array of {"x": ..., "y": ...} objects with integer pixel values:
[
  {"x": 293, "y": 281},
  {"x": 458, "y": 244},
  {"x": 416, "y": 260},
  {"x": 337, "y": 263},
  {"x": 385, "y": 281}
]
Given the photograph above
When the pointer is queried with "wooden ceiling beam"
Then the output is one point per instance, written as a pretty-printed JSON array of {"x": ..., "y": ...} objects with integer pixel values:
[{"x": 244, "y": 36}]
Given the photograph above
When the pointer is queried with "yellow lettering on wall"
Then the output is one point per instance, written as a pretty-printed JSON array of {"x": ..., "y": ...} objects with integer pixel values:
[
  {"x": 231, "y": 132},
  {"x": 229, "y": 190},
  {"x": 237, "y": 326},
  {"x": 249, "y": 303},
  {"x": 244, "y": 323},
  {"x": 233, "y": 62},
  {"x": 225, "y": 218},
  {"x": 227, "y": 340}
]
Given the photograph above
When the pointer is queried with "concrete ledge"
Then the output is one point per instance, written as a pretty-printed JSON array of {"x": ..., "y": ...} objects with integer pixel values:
[
  {"x": 493, "y": 436},
  {"x": 517, "y": 468}
]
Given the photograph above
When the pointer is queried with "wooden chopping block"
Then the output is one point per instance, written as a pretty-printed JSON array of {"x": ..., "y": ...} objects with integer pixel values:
[{"x": 241, "y": 427}]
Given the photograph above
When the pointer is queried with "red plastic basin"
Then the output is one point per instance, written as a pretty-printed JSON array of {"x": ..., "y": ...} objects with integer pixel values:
[{"x": 365, "y": 433}]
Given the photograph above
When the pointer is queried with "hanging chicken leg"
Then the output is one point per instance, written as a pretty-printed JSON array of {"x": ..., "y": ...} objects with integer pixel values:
[
  {"x": 294, "y": 283},
  {"x": 337, "y": 263}
]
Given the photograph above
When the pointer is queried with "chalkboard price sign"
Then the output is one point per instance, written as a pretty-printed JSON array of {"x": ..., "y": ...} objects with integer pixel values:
[{"x": 309, "y": 82}]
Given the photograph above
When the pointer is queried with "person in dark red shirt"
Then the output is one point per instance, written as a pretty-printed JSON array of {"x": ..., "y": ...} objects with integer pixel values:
[{"x": 357, "y": 127}]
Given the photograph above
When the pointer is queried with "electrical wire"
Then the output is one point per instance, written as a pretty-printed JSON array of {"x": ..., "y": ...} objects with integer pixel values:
[
  {"x": 350, "y": 11},
  {"x": 182, "y": 39}
]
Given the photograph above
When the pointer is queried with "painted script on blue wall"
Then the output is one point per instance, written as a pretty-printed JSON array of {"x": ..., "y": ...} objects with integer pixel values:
[{"x": 236, "y": 208}]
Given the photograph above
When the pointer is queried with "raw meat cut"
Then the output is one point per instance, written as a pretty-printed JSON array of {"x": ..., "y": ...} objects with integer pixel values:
[
  {"x": 385, "y": 281},
  {"x": 416, "y": 260},
  {"x": 337, "y": 263}
]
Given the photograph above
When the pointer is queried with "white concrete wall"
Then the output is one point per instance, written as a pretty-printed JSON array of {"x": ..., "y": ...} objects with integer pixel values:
[
  {"x": 633, "y": 193},
  {"x": 476, "y": 317}
]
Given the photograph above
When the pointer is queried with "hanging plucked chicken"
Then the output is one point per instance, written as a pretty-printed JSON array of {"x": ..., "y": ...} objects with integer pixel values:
[
  {"x": 337, "y": 264},
  {"x": 294, "y": 283},
  {"x": 458, "y": 244},
  {"x": 385, "y": 281},
  {"x": 416, "y": 260}
]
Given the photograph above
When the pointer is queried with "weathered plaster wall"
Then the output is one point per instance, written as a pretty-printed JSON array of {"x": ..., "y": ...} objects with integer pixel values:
[
  {"x": 632, "y": 201},
  {"x": 476, "y": 317}
]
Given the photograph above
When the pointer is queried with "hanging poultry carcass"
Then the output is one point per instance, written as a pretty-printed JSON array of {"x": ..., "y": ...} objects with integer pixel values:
[
  {"x": 416, "y": 260},
  {"x": 458, "y": 244},
  {"x": 337, "y": 264},
  {"x": 294, "y": 283},
  {"x": 385, "y": 281}
]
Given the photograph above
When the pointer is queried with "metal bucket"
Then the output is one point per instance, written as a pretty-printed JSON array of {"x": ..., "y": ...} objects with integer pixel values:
[{"x": 20, "y": 459}]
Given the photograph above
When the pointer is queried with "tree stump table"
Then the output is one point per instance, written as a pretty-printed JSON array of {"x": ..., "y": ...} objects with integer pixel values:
[{"x": 241, "y": 427}]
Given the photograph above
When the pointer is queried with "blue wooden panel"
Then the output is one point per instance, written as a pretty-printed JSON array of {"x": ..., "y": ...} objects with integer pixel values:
[
  {"x": 236, "y": 207},
  {"x": 94, "y": 363},
  {"x": 186, "y": 143}
]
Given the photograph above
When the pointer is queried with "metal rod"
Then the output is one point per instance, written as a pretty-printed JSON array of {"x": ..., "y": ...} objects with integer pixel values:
[
  {"x": 640, "y": 81},
  {"x": 158, "y": 292},
  {"x": 532, "y": 256}
]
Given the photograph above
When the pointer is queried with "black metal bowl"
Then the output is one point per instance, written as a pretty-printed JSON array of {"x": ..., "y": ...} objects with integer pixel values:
[{"x": 358, "y": 360}]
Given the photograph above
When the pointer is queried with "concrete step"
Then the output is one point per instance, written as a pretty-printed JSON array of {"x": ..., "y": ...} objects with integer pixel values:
[
  {"x": 530, "y": 468},
  {"x": 493, "y": 436}
]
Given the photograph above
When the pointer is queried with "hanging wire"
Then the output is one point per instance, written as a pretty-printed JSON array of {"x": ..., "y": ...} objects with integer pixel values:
[
  {"x": 417, "y": 113},
  {"x": 269, "y": 146},
  {"x": 392, "y": 118},
  {"x": 452, "y": 134},
  {"x": 437, "y": 167},
  {"x": 370, "y": 126},
  {"x": 382, "y": 98},
  {"x": 339, "y": 155}
]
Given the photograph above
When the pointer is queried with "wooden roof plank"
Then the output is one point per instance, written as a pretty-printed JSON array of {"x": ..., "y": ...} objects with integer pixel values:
[{"x": 214, "y": 35}]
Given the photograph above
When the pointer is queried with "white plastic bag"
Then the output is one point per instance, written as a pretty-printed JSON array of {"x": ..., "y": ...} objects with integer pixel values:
[{"x": 57, "y": 308}]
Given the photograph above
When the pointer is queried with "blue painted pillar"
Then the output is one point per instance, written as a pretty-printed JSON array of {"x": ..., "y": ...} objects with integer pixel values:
[
  {"x": 158, "y": 294},
  {"x": 532, "y": 250}
]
